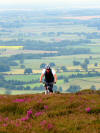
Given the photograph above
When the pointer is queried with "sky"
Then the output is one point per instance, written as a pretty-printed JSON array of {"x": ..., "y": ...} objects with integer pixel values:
[{"x": 51, "y": 3}]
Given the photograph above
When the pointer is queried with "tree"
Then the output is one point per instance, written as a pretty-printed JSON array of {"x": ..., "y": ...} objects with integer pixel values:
[
  {"x": 28, "y": 71},
  {"x": 8, "y": 91},
  {"x": 55, "y": 88},
  {"x": 21, "y": 61},
  {"x": 58, "y": 70},
  {"x": 42, "y": 65},
  {"x": 84, "y": 66},
  {"x": 86, "y": 61},
  {"x": 4, "y": 68},
  {"x": 93, "y": 87},
  {"x": 22, "y": 66},
  {"x": 64, "y": 69},
  {"x": 52, "y": 64},
  {"x": 90, "y": 57},
  {"x": 76, "y": 63},
  {"x": 73, "y": 88},
  {"x": 1, "y": 77},
  {"x": 96, "y": 64},
  {"x": 66, "y": 80},
  {"x": 60, "y": 89},
  {"x": 27, "y": 88},
  {"x": 12, "y": 63}
]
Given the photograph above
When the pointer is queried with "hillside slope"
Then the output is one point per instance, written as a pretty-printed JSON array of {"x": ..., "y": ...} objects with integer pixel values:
[{"x": 57, "y": 113}]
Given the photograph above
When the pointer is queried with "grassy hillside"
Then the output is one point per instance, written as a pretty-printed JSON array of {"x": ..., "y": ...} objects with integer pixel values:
[{"x": 57, "y": 113}]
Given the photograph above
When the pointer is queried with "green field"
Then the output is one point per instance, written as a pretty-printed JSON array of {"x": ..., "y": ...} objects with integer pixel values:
[
  {"x": 25, "y": 78},
  {"x": 84, "y": 83},
  {"x": 25, "y": 31},
  {"x": 19, "y": 92},
  {"x": 59, "y": 61},
  {"x": 94, "y": 47},
  {"x": 49, "y": 28},
  {"x": 62, "y": 60},
  {"x": 33, "y": 85},
  {"x": 54, "y": 27}
]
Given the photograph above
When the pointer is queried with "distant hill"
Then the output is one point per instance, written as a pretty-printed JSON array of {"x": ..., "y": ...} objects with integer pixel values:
[{"x": 57, "y": 113}]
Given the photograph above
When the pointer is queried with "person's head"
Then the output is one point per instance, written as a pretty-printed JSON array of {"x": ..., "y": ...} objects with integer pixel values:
[{"x": 48, "y": 68}]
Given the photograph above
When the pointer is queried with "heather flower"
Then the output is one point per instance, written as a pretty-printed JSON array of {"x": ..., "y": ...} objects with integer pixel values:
[
  {"x": 19, "y": 100},
  {"x": 38, "y": 114},
  {"x": 0, "y": 118},
  {"x": 5, "y": 125},
  {"x": 50, "y": 126},
  {"x": 17, "y": 124},
  {"x": 1, "y": 97},
  {"x": 45, "y": 107},
  {"x": 43, "y": 123},
  {"x": 46, "y": 125},
  {"x": 29, "y": 113},
  {"x": 88, "y": 109},
  {"x": 6, "y": 119},
  {"x": 28, "y": 99},
  {"x": 39, "y": 101},
  {"x": 24, "y": 118}
]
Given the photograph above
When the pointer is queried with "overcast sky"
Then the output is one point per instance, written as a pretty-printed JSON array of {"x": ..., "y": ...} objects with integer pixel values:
[{"x": 51, "y": 3}]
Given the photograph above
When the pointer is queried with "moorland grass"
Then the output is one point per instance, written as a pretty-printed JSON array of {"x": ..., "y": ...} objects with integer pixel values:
[{"x": 57, "y": 113}]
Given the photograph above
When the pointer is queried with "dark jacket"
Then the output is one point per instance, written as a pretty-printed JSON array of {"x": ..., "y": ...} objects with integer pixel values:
[{"x": 49, "y": 76}]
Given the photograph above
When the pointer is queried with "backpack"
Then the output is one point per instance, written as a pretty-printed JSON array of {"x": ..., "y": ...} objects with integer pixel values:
[{"x": 49, "y": 77}]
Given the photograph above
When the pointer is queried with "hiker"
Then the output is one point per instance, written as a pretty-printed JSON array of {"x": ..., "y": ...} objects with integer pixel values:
[{"x": 50, "y": 78}]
